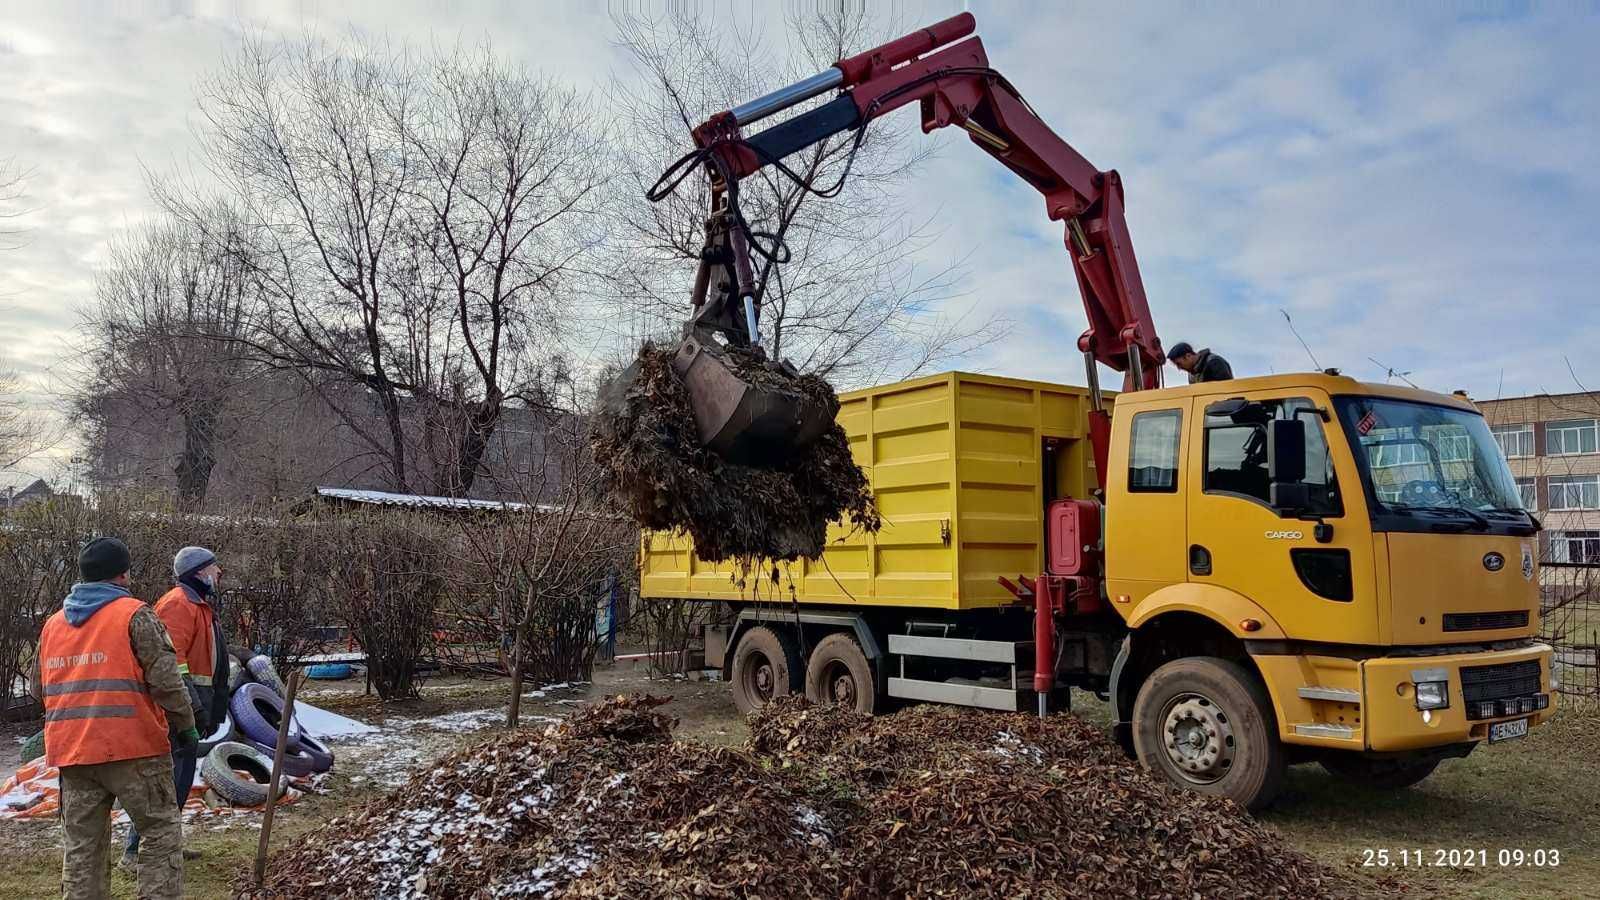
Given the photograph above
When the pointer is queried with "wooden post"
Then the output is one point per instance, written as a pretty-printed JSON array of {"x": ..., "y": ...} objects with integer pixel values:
[{"x": 295, "y": 677}]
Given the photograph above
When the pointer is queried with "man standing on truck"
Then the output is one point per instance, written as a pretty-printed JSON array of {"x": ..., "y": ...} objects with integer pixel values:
[
  {"x": 196, "y": 634},
  {"x": 111, "y": 689},
  {"x": 1202, "y": 365}
]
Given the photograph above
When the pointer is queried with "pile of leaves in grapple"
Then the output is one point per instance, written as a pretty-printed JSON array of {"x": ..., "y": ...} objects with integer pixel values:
[
  {"x": 930, "y": 801},
  {"x": 645, "y": 440}
]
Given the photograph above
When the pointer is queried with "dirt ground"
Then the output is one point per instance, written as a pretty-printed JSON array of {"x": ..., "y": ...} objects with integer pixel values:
[{"x": 1541, "y": 793}]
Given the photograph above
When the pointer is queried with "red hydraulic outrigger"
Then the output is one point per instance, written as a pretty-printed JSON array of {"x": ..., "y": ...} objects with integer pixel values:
[{"x": 946, "y": 72}]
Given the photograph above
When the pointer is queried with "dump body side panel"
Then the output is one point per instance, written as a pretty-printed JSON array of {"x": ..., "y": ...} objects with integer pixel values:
[{"x": 957, "y": 464}]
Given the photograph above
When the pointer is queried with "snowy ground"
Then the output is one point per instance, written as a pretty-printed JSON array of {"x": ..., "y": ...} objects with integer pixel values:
[{"x": 385, "y": 757}]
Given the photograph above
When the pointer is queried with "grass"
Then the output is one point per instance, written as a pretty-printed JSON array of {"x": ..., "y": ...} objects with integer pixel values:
[
  {"x": 32, "y": 869},
  {"x": 1540, "y": 792}
]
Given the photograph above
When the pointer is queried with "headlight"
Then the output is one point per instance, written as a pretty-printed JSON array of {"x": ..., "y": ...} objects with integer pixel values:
[{"x": 1433, "y": 694}]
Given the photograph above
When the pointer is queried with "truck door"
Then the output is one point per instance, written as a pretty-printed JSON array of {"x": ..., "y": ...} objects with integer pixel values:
[
  {"x": 1145, "y": 529},
  {"x": 1315, "y": 589}
]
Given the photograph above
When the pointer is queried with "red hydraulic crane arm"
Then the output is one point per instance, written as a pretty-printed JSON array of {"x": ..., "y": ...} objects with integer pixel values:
[{"x": 954, "y": 85}]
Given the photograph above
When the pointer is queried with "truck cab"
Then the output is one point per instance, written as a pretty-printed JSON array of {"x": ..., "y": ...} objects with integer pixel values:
[{"x": 1355, "y": 555}]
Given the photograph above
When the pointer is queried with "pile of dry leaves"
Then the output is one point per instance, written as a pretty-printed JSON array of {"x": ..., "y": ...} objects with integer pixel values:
[
  {"x": 926, "y": 802},
  {"x": 645, "y": 439}
]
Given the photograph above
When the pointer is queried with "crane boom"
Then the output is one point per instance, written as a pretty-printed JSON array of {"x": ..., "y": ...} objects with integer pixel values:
[
  {"x": 943, "y": 69},
  {"x": 956, "y": 86}
]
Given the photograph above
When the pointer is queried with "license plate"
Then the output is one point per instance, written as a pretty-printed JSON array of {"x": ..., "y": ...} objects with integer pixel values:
[{"x": 1505, "y": 731}]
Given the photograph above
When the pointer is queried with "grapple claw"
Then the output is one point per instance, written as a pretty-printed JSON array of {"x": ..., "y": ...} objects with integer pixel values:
[{"x": 744, "y": 414}]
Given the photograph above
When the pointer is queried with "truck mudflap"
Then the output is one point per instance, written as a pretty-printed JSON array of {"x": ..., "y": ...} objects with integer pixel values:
[{"x": 1371, "y": 704}]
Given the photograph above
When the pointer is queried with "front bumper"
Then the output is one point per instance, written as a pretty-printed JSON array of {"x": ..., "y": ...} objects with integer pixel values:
[
  {"x": 1368, "y": 704},
  {"x": 1394, "y": 723}
]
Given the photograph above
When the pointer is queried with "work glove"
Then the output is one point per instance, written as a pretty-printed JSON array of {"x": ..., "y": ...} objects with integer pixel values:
[{"x": 189, "y": 739}]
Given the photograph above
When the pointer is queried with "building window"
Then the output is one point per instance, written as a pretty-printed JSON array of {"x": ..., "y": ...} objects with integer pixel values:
[
  {"x": 1529, "y": 492},
  {"x": 1514, "y": 440},
  {"x": 1582, "y": 547},
  {"x": 1454, "y": 447},
  {"x": 1570, "y": 438},
  {"x": 1574, "y": 492},
  {"x": 1388, "y": 456},
  {"x": 1153, "y": 452}
]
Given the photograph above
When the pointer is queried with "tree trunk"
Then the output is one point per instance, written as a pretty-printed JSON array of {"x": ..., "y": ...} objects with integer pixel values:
[
  {"x": 477, "y": 429},
  {"x": 514, "y": 709},
  {"x": 198, "y": 457},
  {"x": 397, "y": 435}
]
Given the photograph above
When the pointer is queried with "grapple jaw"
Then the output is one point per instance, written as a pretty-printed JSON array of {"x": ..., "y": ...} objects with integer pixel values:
[{"x": 748, "y": 420}]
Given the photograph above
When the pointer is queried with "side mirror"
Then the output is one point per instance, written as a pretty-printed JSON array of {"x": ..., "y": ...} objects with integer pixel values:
[
  {"x": 1286, "y": 465},
  {"x": 1286, "y": 451}
]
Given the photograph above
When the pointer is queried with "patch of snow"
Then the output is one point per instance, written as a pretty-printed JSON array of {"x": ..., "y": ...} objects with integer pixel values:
[
  {"x": 810, "y": 827},
  {"x": 1008, "y": 745},
  {"x": 320, "y": 723},
  {"x": 549, "y": 875}
]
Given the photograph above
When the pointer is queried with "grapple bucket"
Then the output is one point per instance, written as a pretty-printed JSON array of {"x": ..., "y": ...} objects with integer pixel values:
[{"x": 753, "y": 421}]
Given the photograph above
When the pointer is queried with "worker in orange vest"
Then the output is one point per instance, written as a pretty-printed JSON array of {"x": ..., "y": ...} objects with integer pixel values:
[
  {"x": 111, "y": 693},
  {"x": 196, "y": 634}
]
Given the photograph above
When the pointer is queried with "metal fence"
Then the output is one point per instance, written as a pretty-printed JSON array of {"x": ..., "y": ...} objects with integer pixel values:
[{"x": 1570, "y": 608}]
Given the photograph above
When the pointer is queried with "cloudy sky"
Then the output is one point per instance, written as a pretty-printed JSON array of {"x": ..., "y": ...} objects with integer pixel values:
[{"x": 1415, "y": 185}]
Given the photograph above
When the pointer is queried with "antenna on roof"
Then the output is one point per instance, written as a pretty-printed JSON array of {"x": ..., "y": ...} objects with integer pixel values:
[
  {"x": 1390, "y": 373},
  {"x": 1314, "y": 364}
]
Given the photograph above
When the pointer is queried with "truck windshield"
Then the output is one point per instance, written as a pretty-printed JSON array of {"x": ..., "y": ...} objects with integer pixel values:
[{"x": 1422, "y": 457}]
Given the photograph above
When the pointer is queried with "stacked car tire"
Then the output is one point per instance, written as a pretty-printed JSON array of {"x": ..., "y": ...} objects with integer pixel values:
[{"x": 237, "y": 759}]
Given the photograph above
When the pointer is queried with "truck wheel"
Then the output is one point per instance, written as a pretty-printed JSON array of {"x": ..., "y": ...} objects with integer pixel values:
[
  {"x": 1385, "y": 774},
  {"x": 838, "y": 674},
  {"x": 1207, "y": 724},
  {"x": 766, "y": 666}
]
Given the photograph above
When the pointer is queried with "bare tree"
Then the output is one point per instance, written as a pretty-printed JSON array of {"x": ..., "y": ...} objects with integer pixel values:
[
  {"x": 547, "y": 562},
  {"x": 13, "y": 197},
  {"x": 504, "y": 209},
  {"x": 23, "y": 432},
  {"x": 851, "y": 302},
  {"x": 412, "y": 220},
  {"x": 169, "y": 310}
]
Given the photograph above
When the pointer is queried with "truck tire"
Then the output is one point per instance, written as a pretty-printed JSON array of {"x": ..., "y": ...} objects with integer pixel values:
[
  {"x": 766, "y": 666},
  {"x": 1384, "y": 774},
  {"x": 1207, "y": 724},
  {"x": 838, "y": 674}
]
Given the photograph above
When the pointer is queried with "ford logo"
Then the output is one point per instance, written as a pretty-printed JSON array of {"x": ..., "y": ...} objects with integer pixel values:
[{"x": 1494, "y": 562}]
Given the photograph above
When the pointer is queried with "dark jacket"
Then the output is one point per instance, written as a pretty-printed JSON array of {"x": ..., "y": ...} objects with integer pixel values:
[{"x": 1210, "y": 367}]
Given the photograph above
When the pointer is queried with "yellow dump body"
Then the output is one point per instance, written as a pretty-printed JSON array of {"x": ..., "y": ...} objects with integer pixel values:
[{"x": 956, "y": 463}]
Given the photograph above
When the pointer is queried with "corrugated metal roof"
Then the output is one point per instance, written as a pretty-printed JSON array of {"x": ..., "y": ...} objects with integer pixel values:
[{"x": 424, "y": 501}]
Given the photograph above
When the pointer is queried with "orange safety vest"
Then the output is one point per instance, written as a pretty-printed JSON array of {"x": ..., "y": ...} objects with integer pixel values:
[
  {"x": 190, "y": 626},
  {"x": 97, "y": 707}
]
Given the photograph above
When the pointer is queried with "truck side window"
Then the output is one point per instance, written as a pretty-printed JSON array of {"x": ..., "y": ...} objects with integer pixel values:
[
  {"x": 1236, "y": 452},
  {"x": 1153, "y": 452}
]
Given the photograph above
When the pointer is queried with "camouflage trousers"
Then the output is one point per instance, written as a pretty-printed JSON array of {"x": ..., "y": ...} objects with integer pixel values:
[{"x": 145, "y": 788}]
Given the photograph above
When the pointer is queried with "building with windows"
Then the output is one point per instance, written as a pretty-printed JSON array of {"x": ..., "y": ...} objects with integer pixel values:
[{"x": 1553, "y": 444}]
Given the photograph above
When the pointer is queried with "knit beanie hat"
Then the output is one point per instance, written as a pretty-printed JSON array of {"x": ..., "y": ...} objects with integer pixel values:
[
  {"x": 190, "y": 560},
  {"x": 103, "y": 559}
]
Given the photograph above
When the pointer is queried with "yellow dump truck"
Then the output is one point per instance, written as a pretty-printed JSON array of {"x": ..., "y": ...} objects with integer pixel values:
[{"x": 1282, "y": 569}]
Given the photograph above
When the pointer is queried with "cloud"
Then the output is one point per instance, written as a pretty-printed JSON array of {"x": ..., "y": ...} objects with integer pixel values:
[{"x": 1412, "y": 186}]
